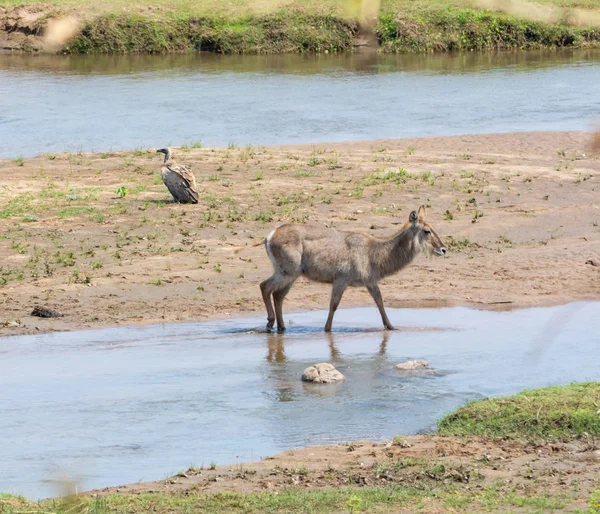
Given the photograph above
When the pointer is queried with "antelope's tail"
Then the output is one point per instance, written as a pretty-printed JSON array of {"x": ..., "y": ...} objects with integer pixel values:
[{"x": 242, "y": 248}]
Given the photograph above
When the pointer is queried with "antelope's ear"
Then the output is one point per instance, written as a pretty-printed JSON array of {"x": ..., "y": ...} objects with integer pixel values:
[
  {"x": 422, "y": 214},
  {"x": 412, "y": 218}
]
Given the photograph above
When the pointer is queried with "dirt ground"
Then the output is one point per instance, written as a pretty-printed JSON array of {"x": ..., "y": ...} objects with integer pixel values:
[
  {"x": 470, "y": 466},
  {"x": 97, "y": 238}
]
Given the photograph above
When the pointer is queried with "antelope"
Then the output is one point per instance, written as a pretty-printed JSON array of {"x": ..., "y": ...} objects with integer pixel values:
[{"x": 342, "y": 259}]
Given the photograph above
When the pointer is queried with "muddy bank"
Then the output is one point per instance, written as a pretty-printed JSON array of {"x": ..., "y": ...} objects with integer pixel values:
[
  {"x": 97, "y": 238},
  {"x": 471, "y": 465},
  {"x": 284, "y": 28}
]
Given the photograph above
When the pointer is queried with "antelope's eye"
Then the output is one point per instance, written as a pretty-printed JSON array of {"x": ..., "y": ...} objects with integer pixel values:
[{"x": 427, "y": 231}]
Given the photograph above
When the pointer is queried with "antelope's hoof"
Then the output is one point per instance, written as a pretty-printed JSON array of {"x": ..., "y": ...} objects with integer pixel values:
[{"x": 390, "y": 327}]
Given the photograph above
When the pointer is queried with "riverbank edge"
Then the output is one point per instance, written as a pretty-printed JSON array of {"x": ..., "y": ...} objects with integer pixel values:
[
  {"x": 349, "y": 304},
  {"x": 294, "y": 30}
]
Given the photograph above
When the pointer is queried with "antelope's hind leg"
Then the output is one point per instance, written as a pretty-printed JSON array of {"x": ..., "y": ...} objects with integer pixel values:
[
  {"x": 278, "y": 286},
  {"x": 266, "y": 288},
  {"x": 278, "y": 297},
  {"x": 286, "y": 258}
]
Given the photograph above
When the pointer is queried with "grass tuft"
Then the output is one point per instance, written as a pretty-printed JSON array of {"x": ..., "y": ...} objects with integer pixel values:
[{"x": 559, "y": 413}]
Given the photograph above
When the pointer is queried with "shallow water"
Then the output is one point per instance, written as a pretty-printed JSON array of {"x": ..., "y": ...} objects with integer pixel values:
[
  {"x": 115, "y": 406},
  {"x": 58, "y": 103}
]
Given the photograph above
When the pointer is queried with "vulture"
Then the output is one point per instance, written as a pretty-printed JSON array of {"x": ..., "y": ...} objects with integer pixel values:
[{"x": 178, "y": 178}]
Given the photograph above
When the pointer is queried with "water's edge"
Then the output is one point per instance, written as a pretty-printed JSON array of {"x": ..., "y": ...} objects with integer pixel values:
[{"x": 502, "y": 306}]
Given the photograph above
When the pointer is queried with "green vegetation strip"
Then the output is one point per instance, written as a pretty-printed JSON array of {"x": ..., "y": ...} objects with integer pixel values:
[
  {"x": 279, "y": 32},
  {"x": 560, "y": 413},
  {"x": 308, "y": 26},
  {"x": 341, "y": 500},
  {"x": 432, "y": 30}
]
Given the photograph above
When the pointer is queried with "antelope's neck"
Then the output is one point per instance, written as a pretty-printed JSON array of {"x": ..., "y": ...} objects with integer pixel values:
[{"x": 394, "y": 254}]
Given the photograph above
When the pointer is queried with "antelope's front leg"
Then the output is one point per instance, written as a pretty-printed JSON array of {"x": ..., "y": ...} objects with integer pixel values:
[
  {"x": 336, "y": 296},
  {"x": 376, "y": 294}
]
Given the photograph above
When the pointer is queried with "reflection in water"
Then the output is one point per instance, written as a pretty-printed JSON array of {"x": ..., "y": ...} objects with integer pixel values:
[
  {"x": 383, "y": 345},
  {"x": 46, "y": 101},
  {"x": 367, "y": 62},
  {"x": 276, "y": 352},
  {"x": 335, "y": 354},
  {"x": 276, "y": 345}
]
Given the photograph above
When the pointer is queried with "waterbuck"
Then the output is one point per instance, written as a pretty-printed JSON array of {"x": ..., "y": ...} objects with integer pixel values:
[{"x": 341, "y": 258}]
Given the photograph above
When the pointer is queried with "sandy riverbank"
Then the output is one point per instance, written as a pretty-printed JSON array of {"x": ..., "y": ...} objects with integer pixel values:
[{"x": 519, "y": 213}]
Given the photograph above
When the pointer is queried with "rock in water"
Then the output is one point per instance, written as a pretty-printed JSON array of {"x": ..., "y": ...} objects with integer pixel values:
[
  {"x": 412, "y": 365},
  {"x": 323, "y": 373}
]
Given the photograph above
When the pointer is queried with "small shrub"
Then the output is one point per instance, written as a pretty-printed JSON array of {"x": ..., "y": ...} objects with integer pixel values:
[
  {"x": 122, "y": 191},
  {"x": 264, "y": 216}
]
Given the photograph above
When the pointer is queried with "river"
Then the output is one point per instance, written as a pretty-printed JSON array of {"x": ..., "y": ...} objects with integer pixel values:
[{"x": 101, "y": 103}]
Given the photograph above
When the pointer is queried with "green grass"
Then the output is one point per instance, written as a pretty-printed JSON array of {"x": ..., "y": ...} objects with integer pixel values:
[
  {"x": 279, "y": 26},
  {"x": 74, "y": 212},
  {"x": 277, "y": 32},
  {"x": 339, "y": 500},
  {"x": 264, "y": 216},
  {"x": 381, "y": 176},
  {"x": 325, "y": 502},
  {"x": 560, "y": 413},
  {"x": 300, "y": 173},
  {"x": 17, "y": 206}
]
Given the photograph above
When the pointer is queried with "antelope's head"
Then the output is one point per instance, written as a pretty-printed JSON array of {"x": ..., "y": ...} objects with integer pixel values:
[{"x": 426, "y": 239}]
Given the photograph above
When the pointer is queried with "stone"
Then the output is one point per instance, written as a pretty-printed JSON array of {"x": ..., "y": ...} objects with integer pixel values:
[
  {"x": 413, "y": 365},
  {"x": 45, "y": 312},
  {"x": 323, "y": 373}
]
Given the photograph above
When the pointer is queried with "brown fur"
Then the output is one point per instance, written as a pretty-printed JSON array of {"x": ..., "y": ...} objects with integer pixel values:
[{"x": 343, "y": 259}]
